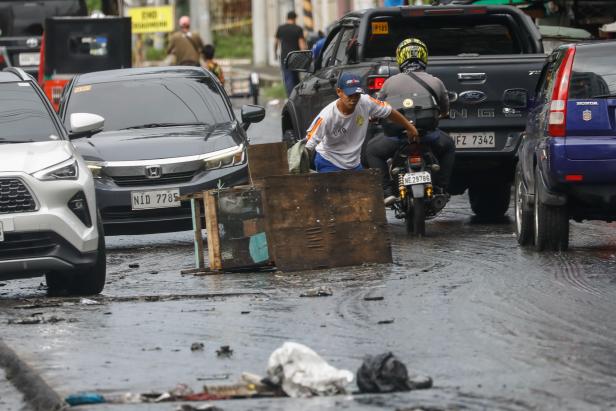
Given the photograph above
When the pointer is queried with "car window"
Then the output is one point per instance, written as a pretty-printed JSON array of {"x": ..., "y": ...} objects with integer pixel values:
[
  {"x": 444, "y": 36},
  {"x": 23, "y": 115},
  {"x": 594, "y": 72},
  {"x": 21, "y": 18},
  {"x": 329, "y": 51},
  {"x": 546, "y": 82},
  {"x": 134, "y": 103},
  {"x": 345, "y": 37}
]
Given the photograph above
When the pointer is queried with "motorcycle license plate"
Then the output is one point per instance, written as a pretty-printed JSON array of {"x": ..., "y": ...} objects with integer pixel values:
[{"x": 421, "y": 177}]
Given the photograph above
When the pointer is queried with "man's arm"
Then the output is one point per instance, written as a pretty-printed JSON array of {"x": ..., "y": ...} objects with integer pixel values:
[
  {"x": 302, "y": 44},
  {"x": 411, "y": 131},
  {"x": 315, "y": 133},
  {"x": 444, "y": 101}
]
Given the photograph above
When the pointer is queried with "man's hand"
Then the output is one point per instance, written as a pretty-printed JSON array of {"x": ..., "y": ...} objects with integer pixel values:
[{"x": 411, "y": 133}]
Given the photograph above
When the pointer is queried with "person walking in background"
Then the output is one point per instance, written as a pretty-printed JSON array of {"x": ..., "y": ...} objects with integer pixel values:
[
  {"x": 289, "y": 37},
  {"x": 210, "y": 64},
  {"x": 184, "y": 45}
]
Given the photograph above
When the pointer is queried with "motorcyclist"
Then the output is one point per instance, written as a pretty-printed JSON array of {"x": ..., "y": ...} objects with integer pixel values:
[{"x": 412, "y": 58}]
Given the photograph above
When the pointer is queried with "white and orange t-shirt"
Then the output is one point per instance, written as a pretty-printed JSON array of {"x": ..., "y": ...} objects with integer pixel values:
[{"x": 338, "y": 137}]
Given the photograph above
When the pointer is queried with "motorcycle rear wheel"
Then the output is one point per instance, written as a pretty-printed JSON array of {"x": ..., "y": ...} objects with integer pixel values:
[{"x": 416, "y": 216}]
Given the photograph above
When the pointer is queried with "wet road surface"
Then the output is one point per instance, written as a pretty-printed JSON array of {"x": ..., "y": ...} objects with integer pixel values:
[{"x": 495, "y": 325}]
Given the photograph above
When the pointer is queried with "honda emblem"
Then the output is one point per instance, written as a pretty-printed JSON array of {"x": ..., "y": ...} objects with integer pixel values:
[{"x": 153, "y": 171}]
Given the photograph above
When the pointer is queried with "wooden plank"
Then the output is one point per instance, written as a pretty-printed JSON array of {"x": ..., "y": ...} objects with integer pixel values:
[
  {"x": 267, "y": 160},
  {"x": 198, "y": 232},
  {"x": 326, "y": 220},
  {"x": 211, "y": 225}
]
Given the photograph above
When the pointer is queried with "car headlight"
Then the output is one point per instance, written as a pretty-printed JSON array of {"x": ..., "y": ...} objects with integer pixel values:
[
  {"x": 224, "y": 158},
  {"x": 66, "y": 170},
  {"x": 96, "y": 168}
]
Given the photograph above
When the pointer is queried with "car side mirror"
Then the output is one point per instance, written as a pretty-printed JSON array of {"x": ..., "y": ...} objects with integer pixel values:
[
  {"x": 515, "y": 98},
  {"x": 85, "y": 123},
  {"x": 298, "y": 60},
  {"x": 251, "y": 114}
]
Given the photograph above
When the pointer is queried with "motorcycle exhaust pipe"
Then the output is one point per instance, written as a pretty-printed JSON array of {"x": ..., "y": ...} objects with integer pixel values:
[{"x": 436, "y": 168}]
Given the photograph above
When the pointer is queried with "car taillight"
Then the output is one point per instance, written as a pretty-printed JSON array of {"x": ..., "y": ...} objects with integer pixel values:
[
  {"x": 557, "y": 120},
  {"x": 376, "y": 83}
]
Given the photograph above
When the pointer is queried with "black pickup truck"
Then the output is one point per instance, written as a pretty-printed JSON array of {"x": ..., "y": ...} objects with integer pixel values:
[
  {"x": 21, "y": 28},
  {"x": 477, "y": 51}
]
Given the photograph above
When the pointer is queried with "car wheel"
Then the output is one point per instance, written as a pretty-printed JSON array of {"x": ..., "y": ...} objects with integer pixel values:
[
  {"x": 490, "y": 202},
  {"x": 523, "y": 213},
  {"x": 551, "y": 224},
  {"x": 86, "y": 281},
  {"x": 290, "y": 137}
]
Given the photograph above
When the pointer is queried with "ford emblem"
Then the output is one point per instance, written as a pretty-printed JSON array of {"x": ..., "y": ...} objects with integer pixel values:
[
  {"x": 472, "y": 96},
  {"x": 32, "y": 42}
]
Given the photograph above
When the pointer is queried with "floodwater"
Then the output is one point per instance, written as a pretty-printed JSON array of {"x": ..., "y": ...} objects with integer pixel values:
[{"x": 496, "y": 326}]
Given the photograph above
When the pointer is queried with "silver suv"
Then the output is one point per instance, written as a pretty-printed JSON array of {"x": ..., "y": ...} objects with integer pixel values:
[{"x": 48, "y": 219}]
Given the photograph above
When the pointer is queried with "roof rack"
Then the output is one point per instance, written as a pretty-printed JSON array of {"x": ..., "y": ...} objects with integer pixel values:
[{"x": 19, "y": 73}]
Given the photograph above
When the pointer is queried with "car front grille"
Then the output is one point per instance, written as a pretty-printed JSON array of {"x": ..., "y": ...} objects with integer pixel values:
[
  {"x": 118, "y": 213},
  {"x": 27, "y": 245},
  {"x": 171, "y": 178},
  {"x": 15, "y": 197}
]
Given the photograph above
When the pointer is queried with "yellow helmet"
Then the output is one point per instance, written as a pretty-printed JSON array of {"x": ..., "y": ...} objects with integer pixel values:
[{"x": 411, "y": 51}]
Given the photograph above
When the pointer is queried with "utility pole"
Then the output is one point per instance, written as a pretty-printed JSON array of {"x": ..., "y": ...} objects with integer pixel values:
[
  {"x": 200, "y": 19},
  {"x": 259, "y": 32}
]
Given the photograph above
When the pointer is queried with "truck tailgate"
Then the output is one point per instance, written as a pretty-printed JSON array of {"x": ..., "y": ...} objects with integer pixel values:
[{"x": 479, "y": 122}]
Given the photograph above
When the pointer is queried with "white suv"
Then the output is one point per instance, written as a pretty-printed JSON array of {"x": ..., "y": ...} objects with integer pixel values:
[{"x": 48, "y": 219}]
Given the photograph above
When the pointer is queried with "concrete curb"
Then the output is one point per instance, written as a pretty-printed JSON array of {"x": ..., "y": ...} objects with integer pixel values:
[{"x": 36, "y": 392}]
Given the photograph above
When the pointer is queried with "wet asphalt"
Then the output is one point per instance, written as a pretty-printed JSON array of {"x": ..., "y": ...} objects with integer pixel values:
[{"x": 497, "y": 327}]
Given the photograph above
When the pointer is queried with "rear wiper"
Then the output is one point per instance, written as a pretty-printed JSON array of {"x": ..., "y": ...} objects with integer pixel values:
[
  {"x": 153, "y": 125},
  {"x": 604, "y": 96}
]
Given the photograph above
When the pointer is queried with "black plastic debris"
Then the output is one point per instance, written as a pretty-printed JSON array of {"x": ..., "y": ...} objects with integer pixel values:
[
  {"x": 133, "y": 265},
  {"x": 197, "y": 346},
  {"x": 386, "y": 322},
  {"x": 224, "y": 351},
  {"x": 386, "y": 373}
]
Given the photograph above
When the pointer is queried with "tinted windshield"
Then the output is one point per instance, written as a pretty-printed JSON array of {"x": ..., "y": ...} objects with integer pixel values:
[
  {"x": 137, "y": 103},
  {"x": 444, "y": 36},
  {"x": 26, "y": 18},
  {"x": 23, "y": 115},
  {"x": 594, "y": 72}
]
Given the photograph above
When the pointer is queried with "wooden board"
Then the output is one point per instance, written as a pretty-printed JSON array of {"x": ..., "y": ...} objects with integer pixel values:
[
  {"x": 267, "y": 160},
  {"x": 326, "y": 220}
]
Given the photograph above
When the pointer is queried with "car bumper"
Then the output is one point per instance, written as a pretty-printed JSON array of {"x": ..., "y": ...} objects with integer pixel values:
[
  {"x": 119, "y": 218},
  {"x": 594, "y": 195},
  {"x": 25, "y": 254}
]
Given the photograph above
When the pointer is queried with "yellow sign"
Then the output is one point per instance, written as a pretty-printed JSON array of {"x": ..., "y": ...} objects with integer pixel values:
[
  {"x": 152, "y": 19},
  {"x": 380, "y": 27}
]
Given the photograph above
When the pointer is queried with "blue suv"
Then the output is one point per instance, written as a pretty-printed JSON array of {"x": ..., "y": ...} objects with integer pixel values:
[{"x": 567, "y": 158}]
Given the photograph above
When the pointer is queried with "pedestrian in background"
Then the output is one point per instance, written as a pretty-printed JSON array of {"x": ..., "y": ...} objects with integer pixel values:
[
  {"x": 185, "y": 46},
  {"x": 210, "y": 64},
  {"x": 289, "y": 37}
]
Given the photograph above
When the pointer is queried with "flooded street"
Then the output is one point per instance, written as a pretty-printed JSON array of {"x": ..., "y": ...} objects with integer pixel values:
[{"x": 496, "y": 326}]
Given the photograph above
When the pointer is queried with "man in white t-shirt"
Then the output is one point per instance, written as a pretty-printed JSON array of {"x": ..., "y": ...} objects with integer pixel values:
[{"x": 338, "y": 132}]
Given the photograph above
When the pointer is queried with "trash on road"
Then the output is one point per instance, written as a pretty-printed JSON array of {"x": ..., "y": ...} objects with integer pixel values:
[
  {"x": 386, "y": 373},
  {"x": 203, "y": 407},
  {"x": 376, "y": 298},
  {"x": 386, "y": 322},
  {"x": 317, "y": 292},
  {"x": 87, "y": 301},
  {"x": 133, "y": 265},
  {"x": 301, "y": 372},
  {"x": 224, "y": 351},
  {"x": 38, "y": 318},
  {"x": 197, "y": 346},
  {"x": 83, "y": 398}
]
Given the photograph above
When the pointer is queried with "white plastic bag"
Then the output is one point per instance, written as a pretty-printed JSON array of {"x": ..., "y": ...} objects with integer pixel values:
[{"x": 301, "y": 372}]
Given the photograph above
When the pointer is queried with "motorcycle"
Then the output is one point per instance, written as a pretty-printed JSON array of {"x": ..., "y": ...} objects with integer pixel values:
[{"x": 414, "y": 164}]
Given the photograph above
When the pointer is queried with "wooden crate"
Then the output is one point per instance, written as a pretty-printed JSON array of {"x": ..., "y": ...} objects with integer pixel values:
[
  {"x": 267, "y": 160},
  {"x": 299, "y": 222}
]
